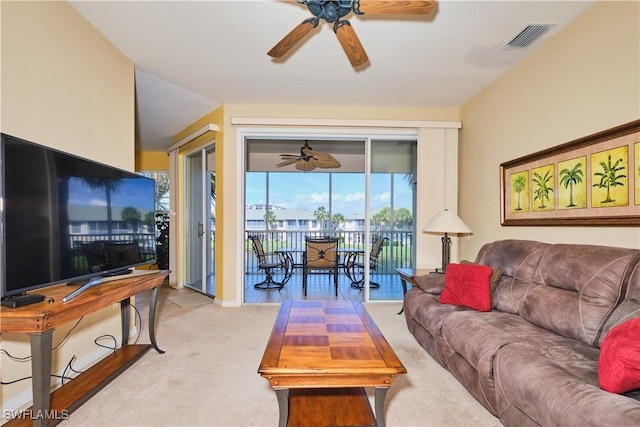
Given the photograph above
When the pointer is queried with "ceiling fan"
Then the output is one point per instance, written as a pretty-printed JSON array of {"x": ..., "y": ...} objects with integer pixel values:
[
  {"x": 308, "y": 159},
  {"x": 334, "y": 11}
]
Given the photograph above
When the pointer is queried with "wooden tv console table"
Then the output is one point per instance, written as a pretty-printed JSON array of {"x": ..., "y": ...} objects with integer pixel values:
[{"x": 39, "y": 321}]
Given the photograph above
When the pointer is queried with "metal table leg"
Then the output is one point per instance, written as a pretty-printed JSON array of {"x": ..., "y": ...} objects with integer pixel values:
[
  {"x": 381, "y": 393},
  {"x": 404, "y": 292},
  {"x": 152, "y": 319},
  {"x": 41, "y": 376},
  {"x": 125, "y": 322},
  {"x": 282, "y": 394}
]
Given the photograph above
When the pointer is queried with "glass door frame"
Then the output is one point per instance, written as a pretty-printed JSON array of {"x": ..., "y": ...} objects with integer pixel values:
[
  {"x": 202, "y": 218},
  {"x": 320, "y": 133}
]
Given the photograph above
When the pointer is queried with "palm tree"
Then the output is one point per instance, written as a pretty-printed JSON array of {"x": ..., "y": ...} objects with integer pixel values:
[
  {"x": 321, "y": 215},
  {"x": 519, "y": 184},
  {"x": 569, "y": 178},
  {"x": 383, "y": 216},
  {"x": 337, "y": 219},
  {"x": 610, "y": 178},
  {"x": 109, "y": 185},
  {"x": 270, "y": 219},
  {"x": 542, "y": 187},
  {"x": 131, "y": 216},
  {"x": 403, "y": 217}
]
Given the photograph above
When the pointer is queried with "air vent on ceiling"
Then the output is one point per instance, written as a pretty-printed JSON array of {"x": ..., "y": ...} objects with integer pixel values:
[{"x": 527, "y": 36}]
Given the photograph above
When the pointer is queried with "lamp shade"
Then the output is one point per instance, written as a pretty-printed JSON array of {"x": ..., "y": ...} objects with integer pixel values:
[{"x": 446, "y": 222}]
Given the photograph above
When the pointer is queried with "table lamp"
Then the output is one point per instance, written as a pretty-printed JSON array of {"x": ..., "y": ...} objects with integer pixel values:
[{"x": 445, "y": 222}]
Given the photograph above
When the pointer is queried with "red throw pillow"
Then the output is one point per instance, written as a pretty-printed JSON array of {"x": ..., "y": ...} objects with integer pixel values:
[
  {"x": 468, "y": 285},
  {"x": 619, "y": 362}
]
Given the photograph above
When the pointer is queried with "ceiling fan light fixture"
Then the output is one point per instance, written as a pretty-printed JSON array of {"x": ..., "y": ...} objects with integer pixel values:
[{"x": 309, "y": 159}]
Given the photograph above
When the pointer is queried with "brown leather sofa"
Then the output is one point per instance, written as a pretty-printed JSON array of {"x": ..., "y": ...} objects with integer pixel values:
[{"x": 532, "y": 360}]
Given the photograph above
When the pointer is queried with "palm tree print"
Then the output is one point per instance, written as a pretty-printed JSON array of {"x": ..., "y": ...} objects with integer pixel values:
[
  {"x": 569, "y": 178},
  {"x": 610, "y": 177},
  {"x": 519, "y": 184},
  {"x": 543, "y": 187}
]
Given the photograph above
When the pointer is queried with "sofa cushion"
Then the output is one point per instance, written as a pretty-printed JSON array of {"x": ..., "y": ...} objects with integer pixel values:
[
  {"x": 557, "y": 385},
  {"x": 430, "y": 283},
  {"x": 468, "y": 285},
  {"x": 518, "y": 261},
  {"x": 425, "y": 309},
  {"x": 496, "y": 274},
  {"x": 619, "y": 363},
  {"x": 629, "y": 308},
  {"x": 515, "y": 258},
  {"x": 581, "y": 286}
]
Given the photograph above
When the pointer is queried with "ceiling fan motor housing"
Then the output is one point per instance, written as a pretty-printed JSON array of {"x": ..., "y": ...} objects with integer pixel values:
[{"x": 330, "y": 11}]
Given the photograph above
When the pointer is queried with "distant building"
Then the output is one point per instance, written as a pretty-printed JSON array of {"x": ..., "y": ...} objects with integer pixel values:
[{"x": 302, "y": 220}]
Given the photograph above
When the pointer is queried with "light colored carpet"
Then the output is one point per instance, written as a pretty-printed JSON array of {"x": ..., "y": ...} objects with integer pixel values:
[
  {"x": 208, "y": 377},
  {"x": 191, "y": 300}
]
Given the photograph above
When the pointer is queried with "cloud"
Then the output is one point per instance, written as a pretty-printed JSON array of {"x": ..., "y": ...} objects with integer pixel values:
[
  {"x": 384, "y": 197},
  {"x": 352, "y": 197},
  {"x": 97, "y": 202}
]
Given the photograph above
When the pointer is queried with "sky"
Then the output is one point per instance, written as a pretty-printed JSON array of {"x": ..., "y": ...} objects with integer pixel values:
[
  {"x": 295, "y": 190},
  {"x": 128, "y": 193}
]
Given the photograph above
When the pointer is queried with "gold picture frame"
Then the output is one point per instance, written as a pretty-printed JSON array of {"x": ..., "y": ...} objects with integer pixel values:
[{"x": 593, "y": 181}]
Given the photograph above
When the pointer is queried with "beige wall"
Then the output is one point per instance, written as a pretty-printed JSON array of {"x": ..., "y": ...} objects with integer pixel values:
[
  {"x": 584, "y": 80},
  {"x": 65, "y": 86}
]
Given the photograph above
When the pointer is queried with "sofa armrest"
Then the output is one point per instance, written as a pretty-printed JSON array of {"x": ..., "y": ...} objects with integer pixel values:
[{"x": 430, "y": 283}]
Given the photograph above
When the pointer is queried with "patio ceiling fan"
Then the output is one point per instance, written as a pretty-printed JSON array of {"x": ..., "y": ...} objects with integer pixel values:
[
  {"x": 334, "y": 11},
  {"x": 308, "y": 159}
]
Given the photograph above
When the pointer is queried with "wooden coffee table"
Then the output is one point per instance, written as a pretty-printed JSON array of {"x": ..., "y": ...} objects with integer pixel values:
[{"x": 319, "y": 358}]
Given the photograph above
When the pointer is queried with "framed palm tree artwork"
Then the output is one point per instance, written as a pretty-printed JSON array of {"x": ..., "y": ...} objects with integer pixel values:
[
  {"x": 572, "y": 191},
  {"x": 542, "y": 180},
  {"x": 594, "y": 180}
]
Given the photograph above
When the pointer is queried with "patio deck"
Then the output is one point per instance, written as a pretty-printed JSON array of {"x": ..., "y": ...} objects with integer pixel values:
[{"x": 320, "y": 286}]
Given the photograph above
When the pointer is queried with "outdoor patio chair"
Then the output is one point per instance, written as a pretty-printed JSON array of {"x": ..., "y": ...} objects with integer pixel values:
[
  {"x": 270, "y": 263},
  {"x": 354, "y": 265},
  {"x": 320, "y": 255}
]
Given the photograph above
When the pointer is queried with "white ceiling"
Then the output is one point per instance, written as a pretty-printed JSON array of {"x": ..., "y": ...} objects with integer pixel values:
[{"x": 192, "y": 56}]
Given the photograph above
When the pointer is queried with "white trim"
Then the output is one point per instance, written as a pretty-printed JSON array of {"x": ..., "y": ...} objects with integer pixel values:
[
  {"x": 272, "y": 121},
  {"x": 193, "y": 135}
]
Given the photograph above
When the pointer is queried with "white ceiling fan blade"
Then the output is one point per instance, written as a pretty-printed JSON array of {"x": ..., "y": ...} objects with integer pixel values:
[{"x": 286, "y": 162}]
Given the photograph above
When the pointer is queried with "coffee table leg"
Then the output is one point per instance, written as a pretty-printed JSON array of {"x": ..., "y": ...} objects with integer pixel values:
[
  {"x": 282, "y": 394},
  {"x": 381, "y": 393}
]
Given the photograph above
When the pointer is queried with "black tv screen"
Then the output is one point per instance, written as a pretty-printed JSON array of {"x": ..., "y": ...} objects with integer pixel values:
[{"x": 64, "y": 218}]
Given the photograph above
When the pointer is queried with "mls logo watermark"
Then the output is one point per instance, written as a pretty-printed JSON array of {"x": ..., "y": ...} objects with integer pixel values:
[{"x": 51, "y": 414}]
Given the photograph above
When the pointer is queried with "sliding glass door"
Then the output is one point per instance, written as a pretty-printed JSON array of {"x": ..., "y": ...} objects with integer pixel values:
[
  {"x": 369, "y": 196},
  {"x": 200, "y": 222},
  {"x": 392, "y": 213}
]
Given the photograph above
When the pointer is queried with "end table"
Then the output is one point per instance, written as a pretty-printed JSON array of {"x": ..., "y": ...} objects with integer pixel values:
[{"x": 409, "y": 275}]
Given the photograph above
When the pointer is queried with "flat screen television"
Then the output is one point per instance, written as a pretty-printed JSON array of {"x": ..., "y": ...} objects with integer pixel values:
[{"x": 68, "y": 219}]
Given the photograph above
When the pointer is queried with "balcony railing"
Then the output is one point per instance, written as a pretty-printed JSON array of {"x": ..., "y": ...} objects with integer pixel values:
[
  {"x": 146, "y": 246},
  {"x": 396, "y": 252}
]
